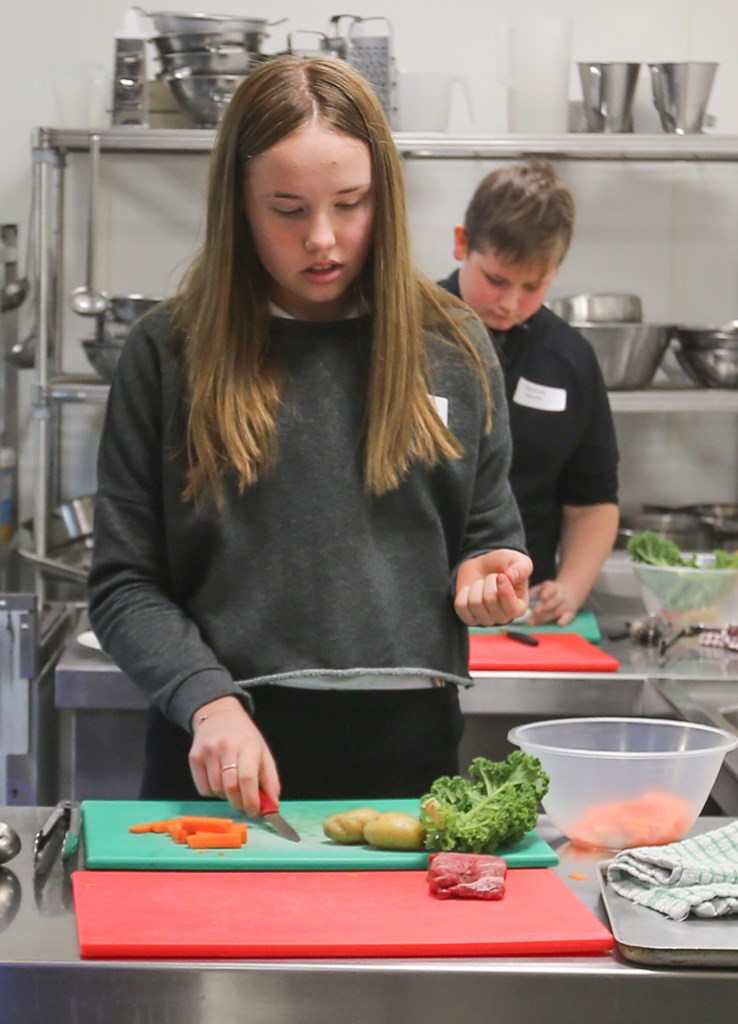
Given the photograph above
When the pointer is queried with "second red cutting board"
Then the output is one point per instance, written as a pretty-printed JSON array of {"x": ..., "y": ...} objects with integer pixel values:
[
  {"x": 193, "y": 915},
  {"x": 555, "y": 652}
]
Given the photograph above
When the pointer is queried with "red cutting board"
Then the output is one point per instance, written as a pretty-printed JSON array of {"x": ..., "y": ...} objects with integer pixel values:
[
  {"x": 283, "y": 914},
  {"x": 555, "y": 652}
]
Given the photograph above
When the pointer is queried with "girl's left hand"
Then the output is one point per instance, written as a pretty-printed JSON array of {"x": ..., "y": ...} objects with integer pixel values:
[{"x": 492, "y": 589}]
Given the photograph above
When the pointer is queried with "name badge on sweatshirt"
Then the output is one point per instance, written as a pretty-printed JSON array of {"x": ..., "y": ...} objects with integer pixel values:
[
  {"x": 441, "y": 406},
  {"x": 538, "y": 396}
]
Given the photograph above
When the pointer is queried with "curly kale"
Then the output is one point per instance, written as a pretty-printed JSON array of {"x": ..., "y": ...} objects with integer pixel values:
[
  {"x": 494, "y": 807},
  {"x": 654, "y": 550}
]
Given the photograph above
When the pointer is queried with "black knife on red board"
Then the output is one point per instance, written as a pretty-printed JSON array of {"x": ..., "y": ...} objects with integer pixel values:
[{"x": 270, "y": 813}]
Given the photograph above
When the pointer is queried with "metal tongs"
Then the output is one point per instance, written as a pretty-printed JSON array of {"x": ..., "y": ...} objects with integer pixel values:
[
  {"x": 58, "y": 834},
  {"x": 690, "y": 630}
]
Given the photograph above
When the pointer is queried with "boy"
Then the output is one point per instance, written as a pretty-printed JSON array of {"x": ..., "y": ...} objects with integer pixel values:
[{"x": 516, "y": 232}]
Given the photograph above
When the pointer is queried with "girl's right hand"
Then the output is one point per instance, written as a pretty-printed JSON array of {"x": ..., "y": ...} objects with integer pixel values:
[{"x": 229, "y": 758}]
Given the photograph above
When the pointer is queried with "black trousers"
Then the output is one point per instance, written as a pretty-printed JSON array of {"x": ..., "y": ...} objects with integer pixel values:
[{"x": 330, "y": 744}]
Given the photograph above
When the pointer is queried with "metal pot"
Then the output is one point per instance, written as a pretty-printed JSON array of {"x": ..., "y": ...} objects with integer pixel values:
[
  {"x": 685, "y": 529},
  {"x": 720, "y": 519},
  {"x": 70, "y": 522}
]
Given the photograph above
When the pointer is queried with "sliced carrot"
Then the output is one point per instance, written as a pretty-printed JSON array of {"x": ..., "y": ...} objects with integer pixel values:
[
  {"x": 215, "y": 840},
  {"x": 196, "y": 824},
  {"x": 154, "y": 826},
  {"x": 652, "y": 819},
  {"x": 178, "y": 833},
  {"x": 205, "y": 832}
]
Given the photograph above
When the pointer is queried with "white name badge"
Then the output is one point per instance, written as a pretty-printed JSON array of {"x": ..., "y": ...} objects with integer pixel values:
[
  {"x": 441, "y": 405},
  {"x": 538, "y": 396}
]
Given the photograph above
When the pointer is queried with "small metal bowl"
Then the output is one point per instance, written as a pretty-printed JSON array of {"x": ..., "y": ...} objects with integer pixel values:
[{"x": 203, "y": 98}]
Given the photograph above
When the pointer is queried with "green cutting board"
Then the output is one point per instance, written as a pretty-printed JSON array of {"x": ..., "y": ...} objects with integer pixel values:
[
  {"x": 583, "y": 623},
  {"x": 108, "y": 843}
]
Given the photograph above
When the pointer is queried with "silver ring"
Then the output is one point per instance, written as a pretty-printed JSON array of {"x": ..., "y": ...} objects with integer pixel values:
[
  {"x": 308, "y": 246},
  {"x": 227, "y": 766}
]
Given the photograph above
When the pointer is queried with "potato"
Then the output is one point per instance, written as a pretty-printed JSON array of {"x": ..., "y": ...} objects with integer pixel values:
[
  {"x": 348, "y": 826},
  {"x": 394, "y": 830}
]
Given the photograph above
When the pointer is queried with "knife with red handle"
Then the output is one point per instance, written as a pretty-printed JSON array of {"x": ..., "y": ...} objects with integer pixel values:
[{"x": 269, "y": 811}]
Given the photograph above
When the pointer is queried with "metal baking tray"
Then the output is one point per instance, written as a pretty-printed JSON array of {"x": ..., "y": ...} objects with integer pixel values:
[{"x": 648, "y": 937}]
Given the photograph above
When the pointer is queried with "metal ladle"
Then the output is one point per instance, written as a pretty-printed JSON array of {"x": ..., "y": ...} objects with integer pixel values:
[{"x": 87, "y": 300}]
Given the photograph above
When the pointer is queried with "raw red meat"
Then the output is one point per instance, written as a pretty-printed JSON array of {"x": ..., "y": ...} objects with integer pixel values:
[{"x": 476, "y": 876}]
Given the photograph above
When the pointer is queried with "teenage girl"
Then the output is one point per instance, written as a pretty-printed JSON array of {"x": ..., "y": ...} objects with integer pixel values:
[{"x": 303, "y": 496}]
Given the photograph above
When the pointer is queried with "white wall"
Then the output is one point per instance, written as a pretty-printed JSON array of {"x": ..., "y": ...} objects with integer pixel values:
[{"x": 665, "y": 231}]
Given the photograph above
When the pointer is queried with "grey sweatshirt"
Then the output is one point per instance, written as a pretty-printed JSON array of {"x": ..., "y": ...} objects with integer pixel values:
[{"x": 303, "y": 573}]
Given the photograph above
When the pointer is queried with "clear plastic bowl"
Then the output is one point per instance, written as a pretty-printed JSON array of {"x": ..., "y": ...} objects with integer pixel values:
[
  {"x": 623, "y": 782},
  {"x": 702, "y": 596}
]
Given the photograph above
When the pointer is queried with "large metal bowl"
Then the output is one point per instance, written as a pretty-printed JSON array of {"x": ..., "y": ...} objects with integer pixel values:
[
  {"x": 103, "y": 355},
  {"x": 628, "y": 353},
  {"x": 204, "y": 97},
  {"x": 598, "y": 307},
  {"x": 166, "y": 22},
  {"x": 709, "y": 355}
]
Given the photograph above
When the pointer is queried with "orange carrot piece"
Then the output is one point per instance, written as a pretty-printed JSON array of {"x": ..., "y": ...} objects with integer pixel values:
[
  {"x": 202, "y": 824},
  {"x": 153, "y": 826},
  {"x": 214, "y": 840},
  {"x": 178, "y": 833}
]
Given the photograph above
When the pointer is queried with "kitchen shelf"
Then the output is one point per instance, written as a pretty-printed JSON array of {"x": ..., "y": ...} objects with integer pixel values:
[
  {"x": 433, "y": 146},
  {"x": 67, "y": 387},
  {"x": 88, "y": 388},
  {"x": 653, "y": 400},
  {"x": 50, "y": 147}
]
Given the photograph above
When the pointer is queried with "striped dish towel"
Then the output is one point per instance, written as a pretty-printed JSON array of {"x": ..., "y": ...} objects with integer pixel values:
[{"x": 695, "y": 876}]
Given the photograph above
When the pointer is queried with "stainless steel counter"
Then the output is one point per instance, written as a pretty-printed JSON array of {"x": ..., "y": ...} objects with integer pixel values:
[
  {"x": 42, "y": 977},
  {"x": 104, "y": 711}
]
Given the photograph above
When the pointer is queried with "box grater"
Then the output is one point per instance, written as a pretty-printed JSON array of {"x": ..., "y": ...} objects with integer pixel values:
[{"x": 373, "y": 57}]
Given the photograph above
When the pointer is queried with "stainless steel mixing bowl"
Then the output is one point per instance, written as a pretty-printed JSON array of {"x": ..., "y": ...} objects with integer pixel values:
[
  {"x": 709, "y": 355},
  {"x": 203, "y": 97},
  {"x": 628, "y": 353}
]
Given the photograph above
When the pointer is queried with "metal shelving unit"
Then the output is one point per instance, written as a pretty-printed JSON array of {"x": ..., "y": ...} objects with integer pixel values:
[{"x": 50, "y": 147}]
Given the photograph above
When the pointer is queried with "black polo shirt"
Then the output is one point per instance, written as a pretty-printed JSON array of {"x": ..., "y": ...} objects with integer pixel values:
[{"x": 564, "y": 446}]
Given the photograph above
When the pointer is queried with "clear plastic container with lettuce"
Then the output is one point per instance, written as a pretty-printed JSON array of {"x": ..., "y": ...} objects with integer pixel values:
[{"x": 685, "y": 587}]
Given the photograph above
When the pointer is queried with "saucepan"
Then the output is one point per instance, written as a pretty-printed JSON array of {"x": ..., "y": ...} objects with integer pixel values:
[{"x": 70, "y": 522}]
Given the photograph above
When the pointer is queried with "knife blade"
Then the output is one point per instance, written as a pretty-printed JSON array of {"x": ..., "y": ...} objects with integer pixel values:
[{"x": 270, "y": 813}]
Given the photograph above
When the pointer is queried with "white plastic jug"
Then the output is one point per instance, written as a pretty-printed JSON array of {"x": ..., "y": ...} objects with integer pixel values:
[
  {"x": 424, "y": 100},
  {"x": 535, "y": 65}
]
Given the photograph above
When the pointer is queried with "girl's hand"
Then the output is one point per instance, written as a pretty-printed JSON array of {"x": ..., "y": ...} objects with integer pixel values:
[
  {"x": 229, "y": 757},
  {"x": 492, "y": 589}
]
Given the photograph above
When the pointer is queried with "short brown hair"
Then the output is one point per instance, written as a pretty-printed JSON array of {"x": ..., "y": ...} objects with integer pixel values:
[{"x": 523, "y": 211}]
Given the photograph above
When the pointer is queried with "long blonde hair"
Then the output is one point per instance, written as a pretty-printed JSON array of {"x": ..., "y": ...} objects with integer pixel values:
[{"x": 222, "y": 311}]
